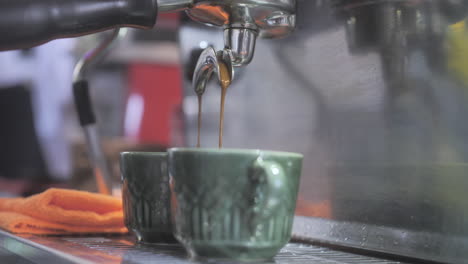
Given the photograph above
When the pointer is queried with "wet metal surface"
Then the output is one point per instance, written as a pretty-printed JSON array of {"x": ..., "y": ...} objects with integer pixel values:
[{"x": 123, "y": 249}]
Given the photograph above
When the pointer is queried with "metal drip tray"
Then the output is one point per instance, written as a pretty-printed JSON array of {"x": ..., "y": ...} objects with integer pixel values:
[{"x": 123, "y": 249}]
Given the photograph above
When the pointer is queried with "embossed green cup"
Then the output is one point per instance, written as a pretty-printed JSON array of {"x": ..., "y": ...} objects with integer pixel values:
[
  {"x": 146, "y": 196},
  {"x": 233, "y": 204}
]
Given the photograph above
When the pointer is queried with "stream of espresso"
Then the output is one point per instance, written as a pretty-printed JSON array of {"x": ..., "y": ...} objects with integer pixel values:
[
  {"x": 200, "y": 96},
  {"x": 225, "y": 81}
]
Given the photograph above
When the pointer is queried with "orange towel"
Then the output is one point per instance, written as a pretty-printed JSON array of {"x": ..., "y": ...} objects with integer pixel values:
[
  {"x": 317, "y": 209},
  {"x": 60, "y": 211}
]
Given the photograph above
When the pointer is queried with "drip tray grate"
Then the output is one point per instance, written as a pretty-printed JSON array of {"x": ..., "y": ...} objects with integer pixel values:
[{"x": 123, "y": 249}]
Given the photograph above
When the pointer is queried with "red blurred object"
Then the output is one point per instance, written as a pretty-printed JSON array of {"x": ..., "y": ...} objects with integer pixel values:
[
  {"x": 168, "y": 19},
  {"x": 154, "y": 98}
]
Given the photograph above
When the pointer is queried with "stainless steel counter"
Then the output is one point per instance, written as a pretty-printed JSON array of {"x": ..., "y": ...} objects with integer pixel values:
[{"x": 123, "y": 249}]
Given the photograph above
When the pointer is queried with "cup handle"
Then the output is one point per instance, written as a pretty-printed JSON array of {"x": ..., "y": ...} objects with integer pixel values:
[{"x": 273, "y": 176}]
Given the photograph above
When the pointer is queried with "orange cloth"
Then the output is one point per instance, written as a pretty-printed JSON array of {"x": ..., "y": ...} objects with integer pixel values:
[
  {"x": 60, "y": 211},
  {"x": 317, "y": 209}
]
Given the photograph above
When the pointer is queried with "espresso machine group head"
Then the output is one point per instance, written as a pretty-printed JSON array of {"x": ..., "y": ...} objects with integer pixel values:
[{"x": 244, "y": 20}]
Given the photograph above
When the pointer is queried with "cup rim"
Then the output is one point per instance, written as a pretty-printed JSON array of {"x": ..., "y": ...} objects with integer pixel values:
[
  {"x": 235, "y": 151},
  {"x": 142, "y": 153}
]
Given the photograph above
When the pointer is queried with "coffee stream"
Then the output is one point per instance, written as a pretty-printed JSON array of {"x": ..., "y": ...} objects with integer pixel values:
[
  {"x": 225, "y": 81},
  {"x": 199, "y": 118}
]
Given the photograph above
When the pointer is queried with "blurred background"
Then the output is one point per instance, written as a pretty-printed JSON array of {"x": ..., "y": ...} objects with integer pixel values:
[{"x": 136, "y": 92}]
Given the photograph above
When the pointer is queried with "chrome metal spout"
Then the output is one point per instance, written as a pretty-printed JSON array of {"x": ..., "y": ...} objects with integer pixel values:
[
  {"x": 241, "y": 41},
  {"x": 84, "y": 107},
  {"x": 93, "y": 55},
  {"x": 209, "y": 63}
]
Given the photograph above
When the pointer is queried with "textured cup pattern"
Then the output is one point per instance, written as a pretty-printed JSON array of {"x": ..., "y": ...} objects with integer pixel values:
[
  {"x": 217, "y": 213},
  {"x": 146, "y": 197},
  {"x": 202, "y": 226},
  {"x": 141, "y": 214}
]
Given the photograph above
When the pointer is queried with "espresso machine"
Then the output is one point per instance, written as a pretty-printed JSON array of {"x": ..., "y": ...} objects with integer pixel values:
[{"x": 373, "y": 93}]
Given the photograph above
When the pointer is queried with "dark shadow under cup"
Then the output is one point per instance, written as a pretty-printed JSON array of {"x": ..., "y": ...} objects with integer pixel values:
[{"x": 146, "y": 196}]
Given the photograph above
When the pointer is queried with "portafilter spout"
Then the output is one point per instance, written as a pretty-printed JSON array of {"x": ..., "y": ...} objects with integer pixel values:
[{"x": 208, "y": 63}]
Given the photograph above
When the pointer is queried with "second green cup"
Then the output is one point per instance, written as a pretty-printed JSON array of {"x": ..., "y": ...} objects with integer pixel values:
[{"x": 146, "y": 196}]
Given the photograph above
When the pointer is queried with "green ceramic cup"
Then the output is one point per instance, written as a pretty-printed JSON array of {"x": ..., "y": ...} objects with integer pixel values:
[
  {"x": 146, "y": 196},
  {"x": 233, "y": 204}
]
